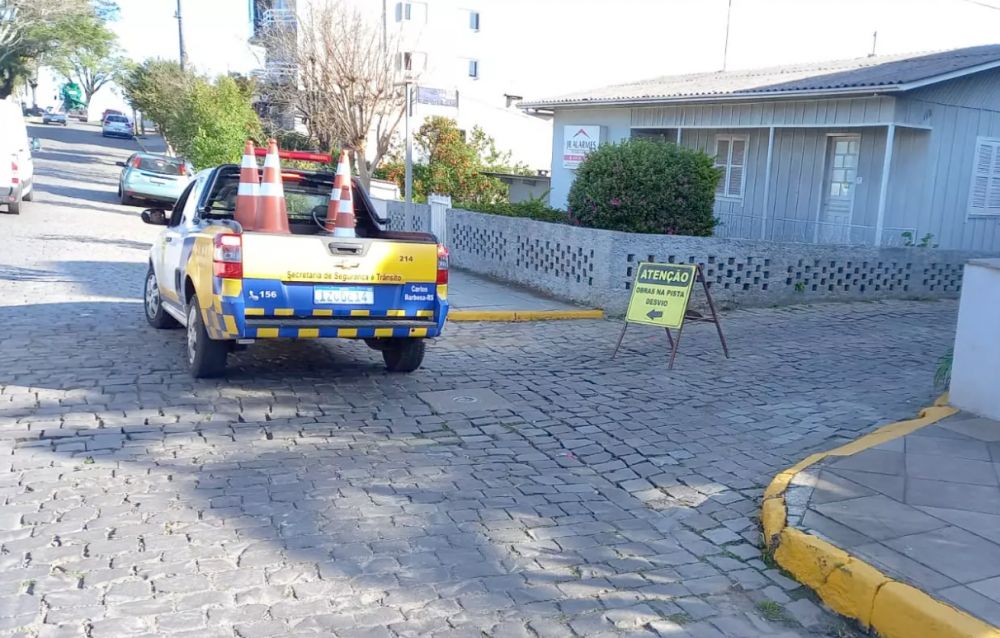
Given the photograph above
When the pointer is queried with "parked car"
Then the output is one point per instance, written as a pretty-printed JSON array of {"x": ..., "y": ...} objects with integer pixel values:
[
  {"x": 153, "y": 177},
  {"x": 55, "y": 118},
  {"x": 17, "y": 183},
  {"x": 108, "y": 112},
  {"x": 117, "y": 126}
]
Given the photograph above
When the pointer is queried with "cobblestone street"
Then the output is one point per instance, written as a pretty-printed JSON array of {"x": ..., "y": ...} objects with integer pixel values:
[{"x": 521, "y": 484}]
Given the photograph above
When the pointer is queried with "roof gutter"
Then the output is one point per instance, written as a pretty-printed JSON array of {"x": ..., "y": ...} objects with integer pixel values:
[{"x": 729, "y": 97}]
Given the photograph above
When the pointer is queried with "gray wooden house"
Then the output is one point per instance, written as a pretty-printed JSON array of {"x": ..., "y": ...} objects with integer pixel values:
[{"x": 858, "y": 151}]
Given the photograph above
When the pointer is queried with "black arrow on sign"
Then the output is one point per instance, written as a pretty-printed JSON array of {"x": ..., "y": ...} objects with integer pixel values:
[{"x": 654, "y": 314}]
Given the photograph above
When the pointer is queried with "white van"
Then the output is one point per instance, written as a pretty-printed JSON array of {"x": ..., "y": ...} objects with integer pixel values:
[{"x": 17, "y": 170}]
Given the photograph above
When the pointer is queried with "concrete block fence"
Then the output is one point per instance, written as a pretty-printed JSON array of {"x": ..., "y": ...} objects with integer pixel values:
[{"x": 596, "y": 267}]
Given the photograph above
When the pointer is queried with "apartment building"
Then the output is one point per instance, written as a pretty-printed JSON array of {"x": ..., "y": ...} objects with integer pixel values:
[{"x": 445, "y": 47}]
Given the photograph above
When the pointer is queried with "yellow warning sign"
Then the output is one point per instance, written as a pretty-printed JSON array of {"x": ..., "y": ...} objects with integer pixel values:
[{"x": 660, "y": 294}]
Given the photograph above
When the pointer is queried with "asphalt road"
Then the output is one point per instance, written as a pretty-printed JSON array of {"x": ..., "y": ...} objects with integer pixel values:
[{"x": 520, "y": 484}]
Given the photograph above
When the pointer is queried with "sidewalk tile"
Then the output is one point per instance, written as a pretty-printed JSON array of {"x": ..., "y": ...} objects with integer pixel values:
[
  {"x": 976, "y": 450},
  {"x": 961, "y": 496},
  {"x": 878, "y": 461},
  {"x": 985, "y": 525},
  {"x": 982, "y": 429},
  {"x": 891, "y": 486},
  {"x": 972, "y": 602},
  {"x": 952, "y": 470},
  {"x": 832, "y": 531},
  {"x": 938, "y": 431},
  {"x": 830, "y": 488},
  {"x": 880, "y": 517},
  {"x": 893, "y": 563},
  {"x": 989, "y": 588},
  {"x": 952, "y": 551}
]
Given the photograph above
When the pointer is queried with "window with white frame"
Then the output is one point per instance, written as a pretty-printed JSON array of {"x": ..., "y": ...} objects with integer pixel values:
[
  {"x": 731, "y": 157},
  {"x": 984, "y": 198},
  {"x": 411, "y": 61},
  {"x": 474, "y": 69},
  {"x": 474, "y": 20},
  {"x": 411, "y": 12}
]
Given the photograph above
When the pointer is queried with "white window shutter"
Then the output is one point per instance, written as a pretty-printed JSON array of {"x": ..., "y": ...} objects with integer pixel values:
[
  {"x": 993, "y": 194},
  {"x": 735, "y": 184},
  {"x": 981, "y": 177}
]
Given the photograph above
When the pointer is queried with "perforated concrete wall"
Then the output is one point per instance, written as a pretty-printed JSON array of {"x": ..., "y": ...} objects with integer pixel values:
[{"x": 596, "y": 267}]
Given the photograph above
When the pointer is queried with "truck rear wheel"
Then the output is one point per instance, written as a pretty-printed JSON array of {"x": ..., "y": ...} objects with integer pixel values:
[
  {"x": 206, "y": 357},
  {"x": 403, "y": 355},
  {"x": 153, "y": 303}
]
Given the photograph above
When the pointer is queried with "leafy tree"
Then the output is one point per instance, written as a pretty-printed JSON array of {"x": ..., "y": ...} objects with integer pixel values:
[
  {"x": 88, "y": 55},
  {"x": 643, "y": 186},
  {"x": 217, "y": 120},
  {"x": 159, "y": 89},
  {"x": 29, "y": 29},
  {"x": 454, "y": 166}
]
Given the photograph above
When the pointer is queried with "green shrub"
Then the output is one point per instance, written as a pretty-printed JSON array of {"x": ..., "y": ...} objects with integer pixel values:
[
  {"x": 535, "y": 209},
  {"x": 645, "y": 186}
]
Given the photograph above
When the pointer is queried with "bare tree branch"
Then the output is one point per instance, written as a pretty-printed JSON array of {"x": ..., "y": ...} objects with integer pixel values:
[
  {"x": 19, "y": 17},
  {"x": 341, "y": 79}
]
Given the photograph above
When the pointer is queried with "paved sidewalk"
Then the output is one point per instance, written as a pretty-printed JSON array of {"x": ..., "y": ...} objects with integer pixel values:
[
  {"x": 476, "y": 297},
  {"x": 924, "y": 509}
]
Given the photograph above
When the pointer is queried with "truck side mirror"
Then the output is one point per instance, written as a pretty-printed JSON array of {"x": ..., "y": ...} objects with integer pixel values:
[{"x": 154, "y": 216}]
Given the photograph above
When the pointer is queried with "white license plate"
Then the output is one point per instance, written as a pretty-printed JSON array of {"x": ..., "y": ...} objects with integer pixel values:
[
  {"x": 346, "y": 295},
  {"x": 156, "y": 180}
]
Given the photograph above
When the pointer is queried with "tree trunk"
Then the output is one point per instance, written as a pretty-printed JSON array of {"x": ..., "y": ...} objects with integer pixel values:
[
  {"x": 34, "y": 95},
  {"x": 364, "y": 174}
]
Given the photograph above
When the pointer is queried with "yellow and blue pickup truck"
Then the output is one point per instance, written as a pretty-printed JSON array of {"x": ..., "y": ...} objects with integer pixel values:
[{"x": 230, "y": 287}]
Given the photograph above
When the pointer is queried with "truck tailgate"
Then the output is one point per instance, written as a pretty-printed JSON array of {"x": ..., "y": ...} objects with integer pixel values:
[{"x": 324, "y": 276}]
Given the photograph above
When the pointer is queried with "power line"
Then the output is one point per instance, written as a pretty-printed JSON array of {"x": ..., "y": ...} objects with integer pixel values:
[{"x": 983, "y": 4}]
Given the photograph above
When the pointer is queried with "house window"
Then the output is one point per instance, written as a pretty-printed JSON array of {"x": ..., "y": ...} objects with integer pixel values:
[
  {"x": 474, "y": 69},
  {"x": 985, "y": 196},
  {"x": 474, "y": 20},
  {"x": 731, "y": 156}
]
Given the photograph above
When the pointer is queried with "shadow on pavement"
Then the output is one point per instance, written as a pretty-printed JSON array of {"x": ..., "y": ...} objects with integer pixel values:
[
  {"x": 308, "y": 485},
  {"x": 109, "y": 241}
]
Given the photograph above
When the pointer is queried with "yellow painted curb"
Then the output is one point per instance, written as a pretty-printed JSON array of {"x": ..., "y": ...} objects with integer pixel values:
[
  {"x": 522, "y": 315},
  {"x": 849, "y": 585}
]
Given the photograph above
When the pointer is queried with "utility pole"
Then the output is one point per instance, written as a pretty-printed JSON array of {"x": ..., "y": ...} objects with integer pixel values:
[
  {"x": 409, "y": 150},
  {"x": 725, "y": 50},
  {"x": 180, "y": 36}
]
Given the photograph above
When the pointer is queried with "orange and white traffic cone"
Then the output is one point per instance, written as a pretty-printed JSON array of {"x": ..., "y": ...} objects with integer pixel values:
[
  {"x": 340, "y": 214},
  {"x": 272, "y": 212},
  {"x": 246, "y": 196}
]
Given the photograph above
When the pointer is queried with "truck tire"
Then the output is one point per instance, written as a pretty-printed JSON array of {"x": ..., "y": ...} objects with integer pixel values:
[
  {"x": 403, "y": 355},
  {"x": 30, "y": 195},
  {"x": 14, "y": 208},
  {"x": 153, "y": 304},
  {"x": 206, "y": 357}
]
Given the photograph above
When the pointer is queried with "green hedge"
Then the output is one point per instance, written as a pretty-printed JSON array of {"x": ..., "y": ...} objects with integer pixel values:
[
  {"x": 535, "y": 209},
  {"x": 645, "y": 186}
]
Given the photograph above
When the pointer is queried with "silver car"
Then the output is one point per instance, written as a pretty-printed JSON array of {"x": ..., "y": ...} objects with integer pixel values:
[
  {"x": 117, "y": 126},
  {"x": 54, "y": 118}
]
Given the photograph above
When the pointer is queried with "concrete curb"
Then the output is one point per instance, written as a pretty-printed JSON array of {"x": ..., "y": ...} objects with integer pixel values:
[
  {"x": 849, "y": 585},
  {"x": 522, "y": 315}
]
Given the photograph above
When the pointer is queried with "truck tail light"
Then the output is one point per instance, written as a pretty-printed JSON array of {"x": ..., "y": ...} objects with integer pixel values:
[
  {"x": 13, "y": 171},
  {"x": 227, "y": 256},
  {"x": 442, "y": 275}
]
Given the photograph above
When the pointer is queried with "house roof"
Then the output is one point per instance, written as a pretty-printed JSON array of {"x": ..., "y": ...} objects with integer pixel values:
[{"x": 878, "y": 74}]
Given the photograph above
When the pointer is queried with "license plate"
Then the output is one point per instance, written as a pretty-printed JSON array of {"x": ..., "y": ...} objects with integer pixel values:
[
  {"x": 346, "y": 295},
  {"x": 157, "y": 180}
]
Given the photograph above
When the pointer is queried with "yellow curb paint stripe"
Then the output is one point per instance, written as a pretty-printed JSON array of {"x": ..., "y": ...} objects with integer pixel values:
[
  {"x": 523, "y": 315},
  {"x": 849, "y": 585}
]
